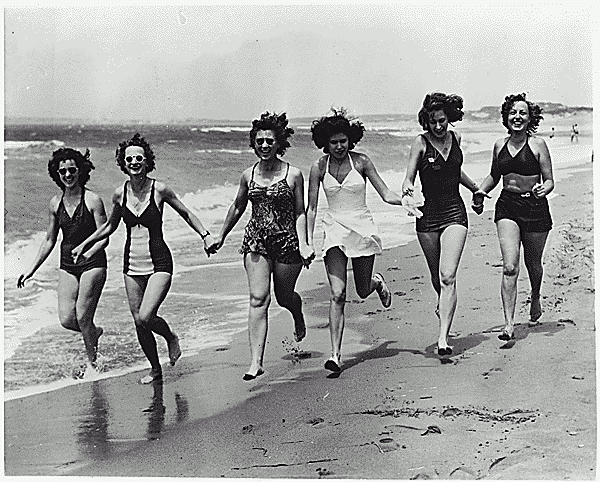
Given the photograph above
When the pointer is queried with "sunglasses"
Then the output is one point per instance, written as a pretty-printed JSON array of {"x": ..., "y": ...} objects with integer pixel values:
[
  {"x": 72, "y": 170},
  {"x": 138, "y": 158},
  {"x": 262, "y": 140}
]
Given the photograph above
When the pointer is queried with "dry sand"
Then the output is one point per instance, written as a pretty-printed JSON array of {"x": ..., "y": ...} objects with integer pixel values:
[{"x": 519, "y": 410}]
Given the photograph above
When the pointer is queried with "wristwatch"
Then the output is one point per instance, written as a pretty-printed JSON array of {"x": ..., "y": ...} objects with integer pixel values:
[{"x": 203, "y": 236}]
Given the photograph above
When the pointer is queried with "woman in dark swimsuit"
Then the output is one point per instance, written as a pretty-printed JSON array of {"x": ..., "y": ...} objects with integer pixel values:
[
  {"x": 274, "y": 242},
  {"x": 442, "y": 227},
  {"x": 77, "y": 213},
  {"x": 522, "y": 214},
  {"x": 147, "y": 261}
]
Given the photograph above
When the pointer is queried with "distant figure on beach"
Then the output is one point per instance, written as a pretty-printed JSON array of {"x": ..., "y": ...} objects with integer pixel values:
[
  {"x": 574, "y": 133},
  {"x": 147, "y": 260},
  {"x": 442, "y": 230},
  {"x": 349, "y": 230},
  {"x": 77, "y": 212},
  {"x": 274, "y": 244},
  {"x": 522, "y": 214},
  {"x": 552, "y": 134}
]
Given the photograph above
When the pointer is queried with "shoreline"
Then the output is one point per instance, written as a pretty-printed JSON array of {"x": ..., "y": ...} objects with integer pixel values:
[{"x": 298, "y": 420}]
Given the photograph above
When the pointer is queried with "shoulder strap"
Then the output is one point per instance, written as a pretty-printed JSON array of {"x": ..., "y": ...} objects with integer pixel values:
[
  {"x": 125, "y": 194},
  {"x": 253, "y": 168}
]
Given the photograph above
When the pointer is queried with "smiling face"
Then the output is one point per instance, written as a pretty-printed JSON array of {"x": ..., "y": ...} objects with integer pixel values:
[
  {"x": 265, "y": 145},
  {"x": 338, "y": 146},
  {"x": 68, "y": 173},
  {"x": 438, "y": 124},
  {"x": 518, "y": 117},
  {"x": 135, "y": 160}
]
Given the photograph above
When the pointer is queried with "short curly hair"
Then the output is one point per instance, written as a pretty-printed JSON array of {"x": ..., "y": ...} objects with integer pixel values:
[
  {"x": 276, "y": 123},
  {"x": 82, "y": 161},
  {"x": 138, "y": 141},
  {"x": 339, "y": 122},
  {"x": 451, "y": 104},
  {"x": 535, "y": 112}
]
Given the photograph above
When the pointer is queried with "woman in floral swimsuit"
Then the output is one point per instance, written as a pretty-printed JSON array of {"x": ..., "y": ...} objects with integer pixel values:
[{"x": 274, "y": 243}]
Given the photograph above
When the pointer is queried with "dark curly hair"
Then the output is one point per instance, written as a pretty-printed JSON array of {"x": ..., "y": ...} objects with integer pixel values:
[
  {"x": 451, "y": 104},
  {"x": 137, "y": 141},
  {"x": 83, "y": 162},
  {"x": 276, "y": 123},
  {"x": 338, "y": 123},
  {"x": 535, "y": 112}
]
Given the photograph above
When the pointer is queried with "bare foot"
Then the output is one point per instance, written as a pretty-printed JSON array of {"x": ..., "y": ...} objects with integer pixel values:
[
  {"x": 300, "y": 332},
  {"x": 99, "y": 332},
  {"x": 535, "y": 311},
  {"x": 153, "y": 376},
  {"x": 174, "y": 350}
]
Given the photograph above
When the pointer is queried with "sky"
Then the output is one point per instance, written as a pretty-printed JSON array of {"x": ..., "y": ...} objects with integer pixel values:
[{"x": 176, "y": 63}]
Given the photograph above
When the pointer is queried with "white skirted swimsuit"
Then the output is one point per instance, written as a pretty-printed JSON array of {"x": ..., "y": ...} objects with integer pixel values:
[{"x": 348, "y": 224}]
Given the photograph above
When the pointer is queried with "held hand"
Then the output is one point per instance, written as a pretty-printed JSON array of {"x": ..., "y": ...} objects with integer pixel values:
[
  {"x": 22, "y": 279},
  {"x": 538, "y": 191},
  {"x": 308, "y": 254},
  {"x": 208, "y": 243},
  {"x": 477, "y": 202},
  {"x": 77, "y": 254},
  {"x": 408, "y": 203}
]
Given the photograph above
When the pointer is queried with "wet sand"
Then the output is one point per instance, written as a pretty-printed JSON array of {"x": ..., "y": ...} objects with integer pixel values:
[{"x": 519, "y": 410}]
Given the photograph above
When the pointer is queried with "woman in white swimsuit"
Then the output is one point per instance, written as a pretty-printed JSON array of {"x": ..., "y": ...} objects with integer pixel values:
[{"x": 348, "y": 224}]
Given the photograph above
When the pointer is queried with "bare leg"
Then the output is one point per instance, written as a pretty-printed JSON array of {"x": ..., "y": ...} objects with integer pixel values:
[
  {"x": 90, "y": 289},
  {"x": 452, "y": 242},
  {"x": 68, "y": 289},
  {"x": 284, "y": 281},
  {"x": 258, "y": 271},
  {"x": 145, "y": 295},
  {"x": 336, "y": 265},
  {"x": 509, "y": 235},
  {"x": 533, "y": 249},
  {"x": 430, "y": 244}
]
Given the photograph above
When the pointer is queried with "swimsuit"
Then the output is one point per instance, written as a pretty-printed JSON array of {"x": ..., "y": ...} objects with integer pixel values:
[
  {"x": 524, "y": 162},
  {"x": 75, "y": 230},
  {"x": 530, "y": 214},
  {"x": 271, "y": 230},
  {"x": 348, "y": 223},
  {"x": 145, "y": 249},
  {"x": 440, "y": 179}
]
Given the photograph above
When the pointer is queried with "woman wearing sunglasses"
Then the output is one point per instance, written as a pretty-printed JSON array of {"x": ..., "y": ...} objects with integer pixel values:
[
  {"x": 274, "y": 242},
  {"x": 442, "y": 221},
  {"x": 147, "y": 261},
  {"x": 77, "y": 212},
  {"x": 349, "y": 230}
]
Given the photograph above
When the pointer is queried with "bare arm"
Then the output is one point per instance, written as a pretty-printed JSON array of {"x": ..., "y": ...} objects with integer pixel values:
[
  {"x": 169, "y": 196},
  {"x": 306, "y": 251},
  {"x": 379, "y": 184},
  {"x": 47, "y": 244},
  {"x": 547, "y": 185},
  {"x": 489, "y": 182},
  {"x": 314, "y": 182},
  {"x": 416, "y": 153},
  {"x": 106, "y": 229},
  {"x": 96, "y": 207},
  {"x": 234, "y": 213}
]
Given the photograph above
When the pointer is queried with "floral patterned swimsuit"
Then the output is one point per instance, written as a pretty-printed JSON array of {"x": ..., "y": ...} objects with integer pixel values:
[{"x": 271, "y": 230}]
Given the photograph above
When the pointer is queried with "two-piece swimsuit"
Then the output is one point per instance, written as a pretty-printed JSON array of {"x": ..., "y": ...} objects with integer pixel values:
[
  {"x": 145, "y": 249},
  {"x": 530, "y": 213},
  {"x": 440, "y": 179},
  {"x": 271, "y": 230},
  {"x": 75, "y": 230}
]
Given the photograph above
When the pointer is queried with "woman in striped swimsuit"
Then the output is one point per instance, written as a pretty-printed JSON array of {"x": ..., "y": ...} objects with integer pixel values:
[{"x": 147, "y": 261}]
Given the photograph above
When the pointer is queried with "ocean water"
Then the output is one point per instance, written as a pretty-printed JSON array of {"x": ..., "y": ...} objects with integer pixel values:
[{"x": 202, "y": 162}]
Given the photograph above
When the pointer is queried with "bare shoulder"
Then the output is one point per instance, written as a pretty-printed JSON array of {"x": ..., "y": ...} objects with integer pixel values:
[
  {"x": 295, "y": 173},
  {"x": 54, "y": 203},
  {"x": 499, "y": 143},
  {"x": 320, "y": 164},
  {"x": 537, "y": 142},
  {"x": 361, "y": 161},
  {"x": 92, "y": 199},
  {"x": 117, "y": 197},
  {"x": 458, "y": 136}
]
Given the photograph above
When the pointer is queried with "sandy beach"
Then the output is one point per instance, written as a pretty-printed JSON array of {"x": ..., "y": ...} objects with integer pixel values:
[{"x": 525, "y": 409}]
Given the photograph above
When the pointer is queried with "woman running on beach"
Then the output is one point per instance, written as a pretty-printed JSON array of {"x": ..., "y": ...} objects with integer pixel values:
[
  {"x": 522, "y": 214},
  {"x": 349, "y": 230},
  {"x": 442, "y": 229},
  {"x": 77, "y": 212},
  {"x": 274, "y": 242},
  {"x": 147, "y": 261}
]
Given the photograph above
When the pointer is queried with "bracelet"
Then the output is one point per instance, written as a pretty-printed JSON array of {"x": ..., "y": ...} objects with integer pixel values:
[{"x": 203, "y": 236}]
